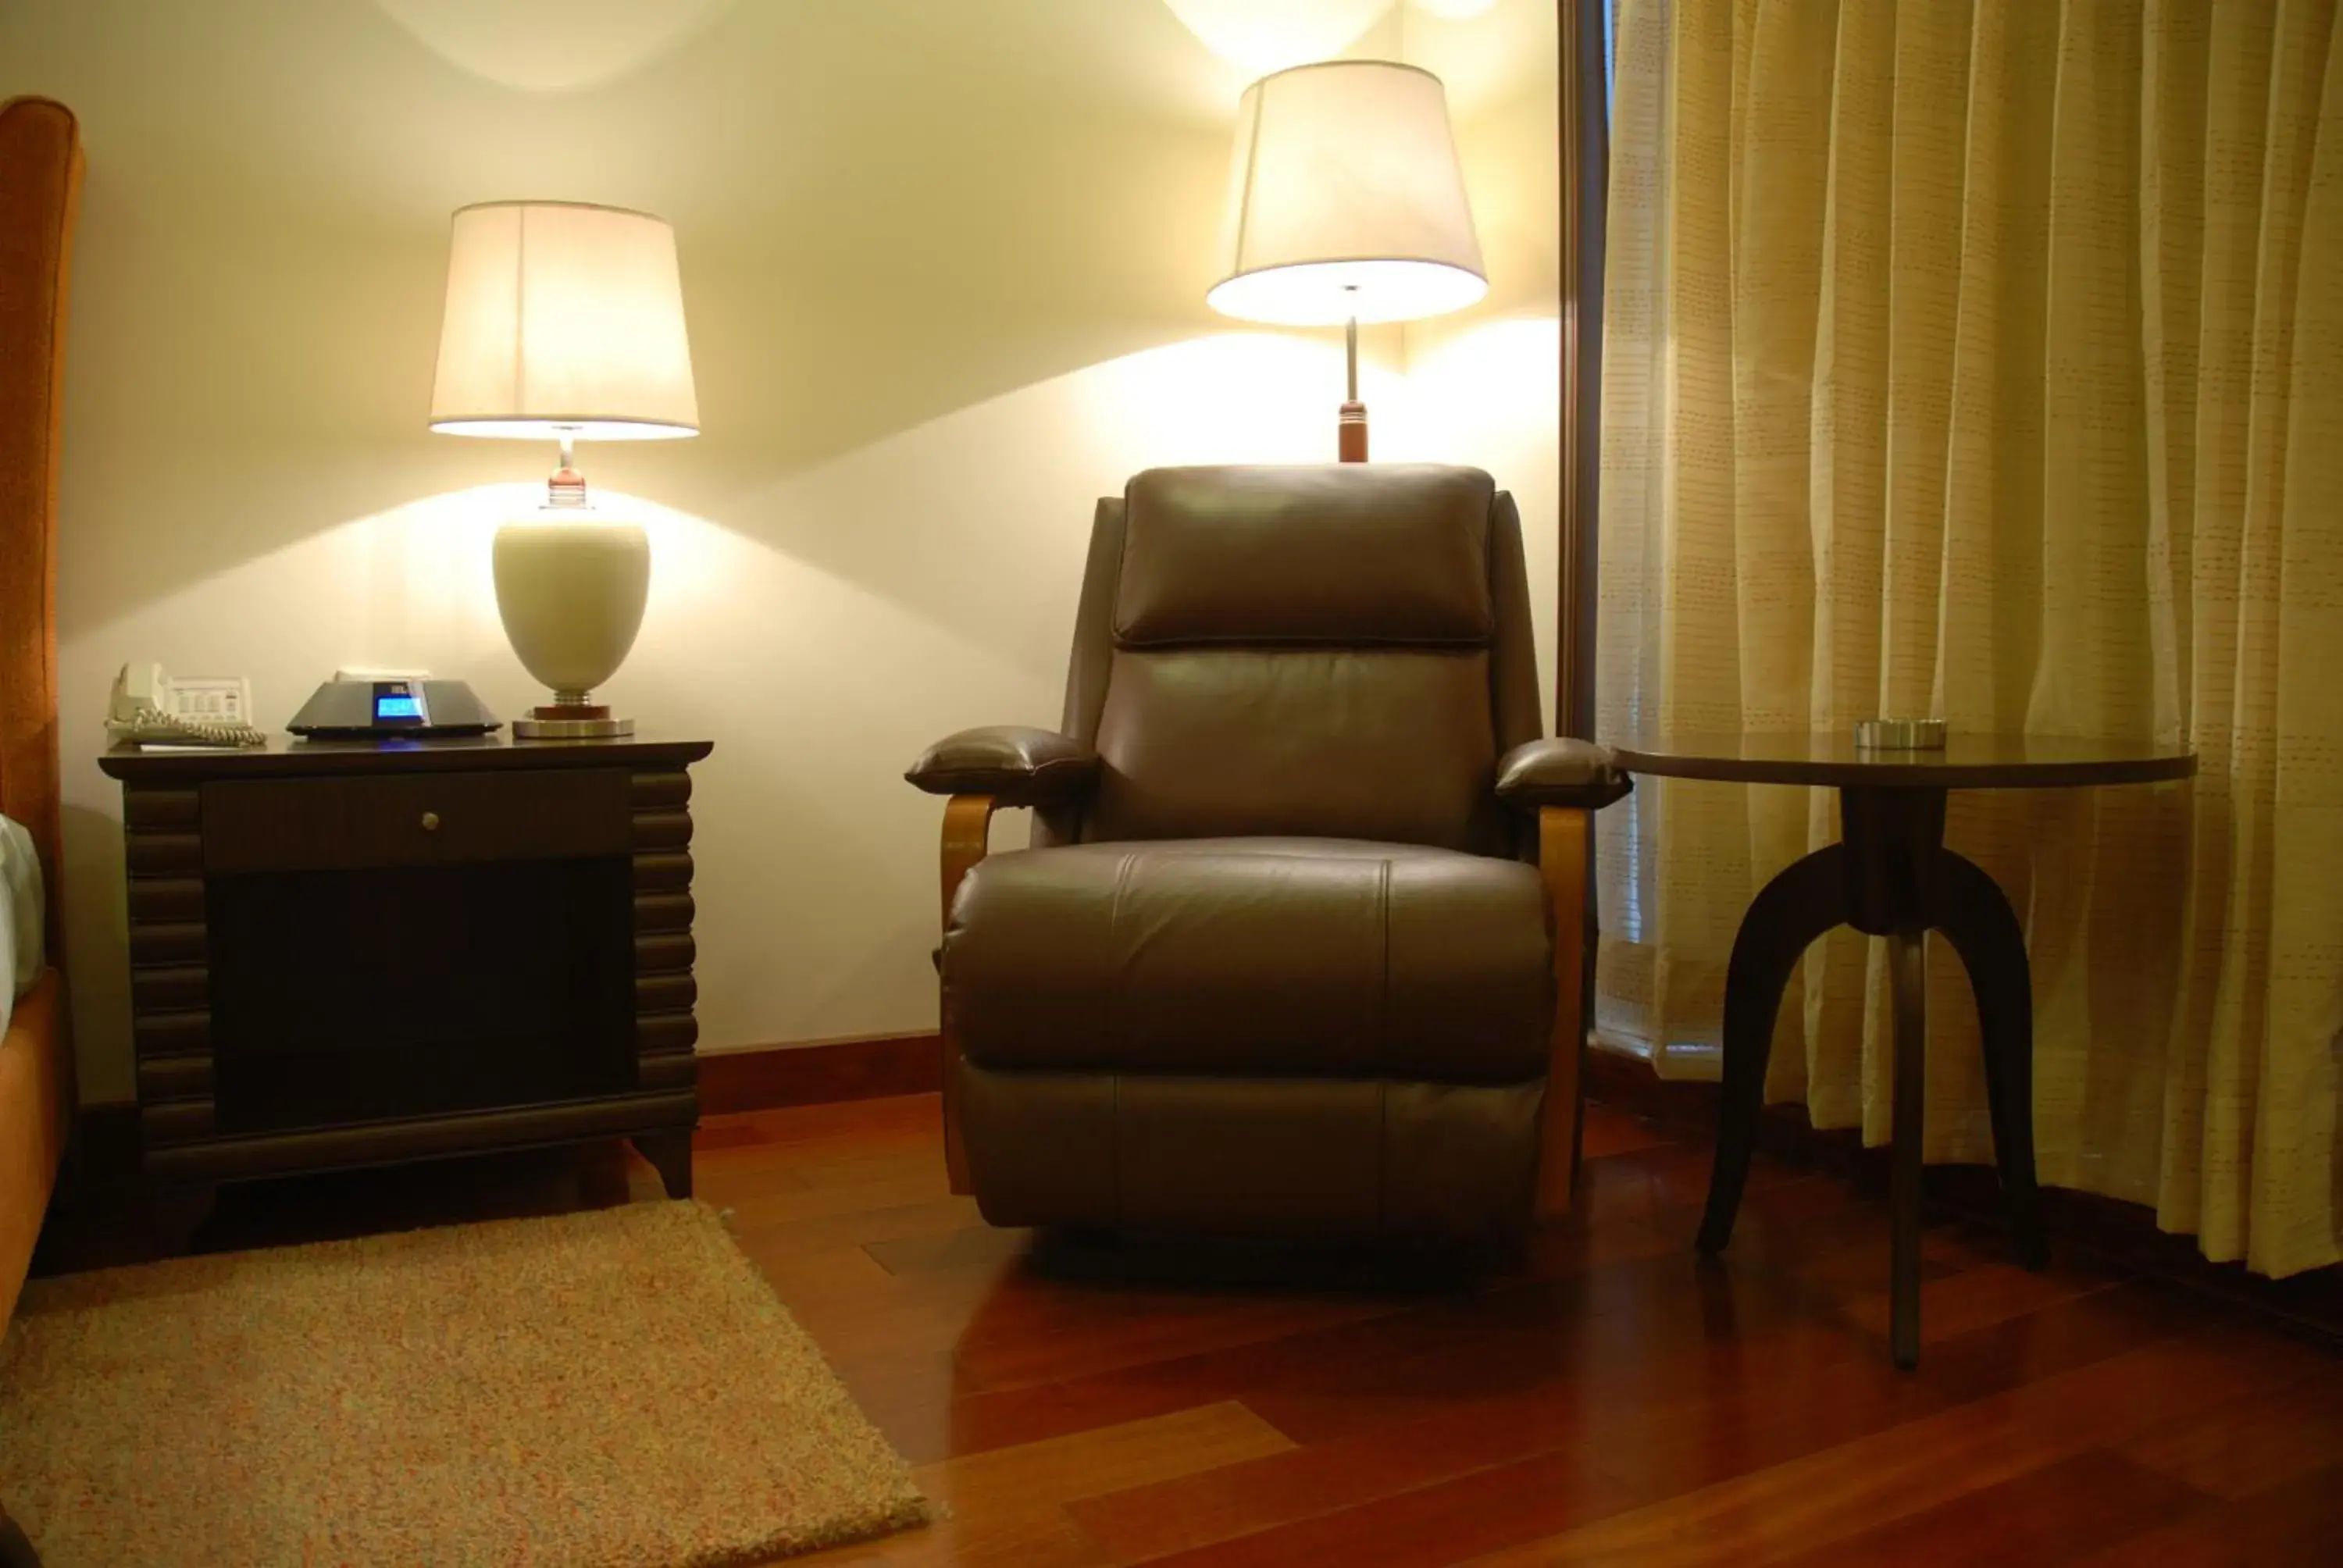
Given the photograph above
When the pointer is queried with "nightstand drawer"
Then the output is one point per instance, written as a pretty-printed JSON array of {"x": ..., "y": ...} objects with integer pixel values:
[{"x": 415, "y": 820}]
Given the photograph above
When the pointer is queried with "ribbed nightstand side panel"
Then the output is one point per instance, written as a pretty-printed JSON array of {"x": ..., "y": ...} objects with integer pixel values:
[
  {"x": 665, "y": 991},
  {"x": 163, "y": 855}
]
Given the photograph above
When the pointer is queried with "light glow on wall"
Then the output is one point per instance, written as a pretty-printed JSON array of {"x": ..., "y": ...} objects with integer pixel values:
[
  {"x": 1265, "y": 35},
  {"x": 1482, "y": 385},
  {"x": 552, "y": 46}
]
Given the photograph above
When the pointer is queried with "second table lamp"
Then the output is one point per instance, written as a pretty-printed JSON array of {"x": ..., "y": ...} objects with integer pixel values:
[{"x": 1346, "y": 204}]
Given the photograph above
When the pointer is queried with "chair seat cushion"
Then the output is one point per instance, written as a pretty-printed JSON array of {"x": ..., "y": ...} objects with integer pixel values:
[{"x": 1313, "y": 957}]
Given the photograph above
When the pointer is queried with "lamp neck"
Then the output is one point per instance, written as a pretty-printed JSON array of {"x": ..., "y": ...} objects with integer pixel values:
[
  {"x": 1351, "y": 429},
  {"x": 566, "y": 487}
]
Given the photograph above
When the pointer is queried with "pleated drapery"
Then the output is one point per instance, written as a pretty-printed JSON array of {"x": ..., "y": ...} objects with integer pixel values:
[{"x": 1983, "y": 359}]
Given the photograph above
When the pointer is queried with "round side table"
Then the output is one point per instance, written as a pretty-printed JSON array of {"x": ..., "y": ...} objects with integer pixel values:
[{"x": 1890, "y": 876}]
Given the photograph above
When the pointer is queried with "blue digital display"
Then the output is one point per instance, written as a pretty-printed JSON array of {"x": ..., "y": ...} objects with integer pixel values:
[{"x": 390, "y": 706}]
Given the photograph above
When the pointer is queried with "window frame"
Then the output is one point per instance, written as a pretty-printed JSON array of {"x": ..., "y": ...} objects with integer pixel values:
[{"x": 1583, "y": 33}]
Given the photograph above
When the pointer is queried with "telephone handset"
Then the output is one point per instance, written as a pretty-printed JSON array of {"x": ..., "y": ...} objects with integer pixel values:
[{"x": 149, "y": 707}]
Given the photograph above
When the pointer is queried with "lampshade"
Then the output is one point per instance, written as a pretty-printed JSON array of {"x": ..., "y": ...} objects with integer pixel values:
[
  {"x": 1345, "y": 200},
  {"x": 563, "y": 318}
]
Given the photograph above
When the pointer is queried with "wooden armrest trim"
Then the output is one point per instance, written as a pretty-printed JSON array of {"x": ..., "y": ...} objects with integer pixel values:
[
  {"x": 968, "y": 822},
  {"x": 967, "y": 825},
  {"x": 1562, "y": 864}
]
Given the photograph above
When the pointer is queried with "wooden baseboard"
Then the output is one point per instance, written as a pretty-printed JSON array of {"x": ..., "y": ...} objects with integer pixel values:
[
  {"x": 2123, "y": 1234},
  {"x": 764, "y": 1078}
]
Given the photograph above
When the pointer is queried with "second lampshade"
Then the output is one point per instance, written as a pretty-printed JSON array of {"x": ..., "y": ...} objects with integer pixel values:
[{"x": 1346, "y": 204}]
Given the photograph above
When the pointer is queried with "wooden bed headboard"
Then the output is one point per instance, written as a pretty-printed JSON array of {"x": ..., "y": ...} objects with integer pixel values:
[{"x": 40, "y": 189}]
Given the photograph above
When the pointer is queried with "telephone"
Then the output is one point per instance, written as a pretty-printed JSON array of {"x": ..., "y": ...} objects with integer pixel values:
[{"x": 149, "y": 707}]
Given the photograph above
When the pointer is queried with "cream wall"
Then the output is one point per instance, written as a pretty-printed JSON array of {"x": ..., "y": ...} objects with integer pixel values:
[
  {"x": 1484, "y": 386},
  {"x": 944, "y": 266}
]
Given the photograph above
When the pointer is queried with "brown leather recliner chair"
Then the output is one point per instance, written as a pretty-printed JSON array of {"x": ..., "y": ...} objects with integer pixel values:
[{"x": 1274, "y": 964}]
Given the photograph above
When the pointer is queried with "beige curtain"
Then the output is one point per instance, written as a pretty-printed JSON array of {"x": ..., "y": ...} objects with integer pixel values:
[{"x": 1984, "y": 359}]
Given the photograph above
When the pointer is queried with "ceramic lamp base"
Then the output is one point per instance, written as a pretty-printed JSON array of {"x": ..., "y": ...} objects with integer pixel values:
[{"x": 571, "y": 588}]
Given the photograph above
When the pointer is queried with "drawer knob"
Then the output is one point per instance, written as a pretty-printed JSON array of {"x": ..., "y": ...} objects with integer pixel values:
[{"x": 431, "y": 822}]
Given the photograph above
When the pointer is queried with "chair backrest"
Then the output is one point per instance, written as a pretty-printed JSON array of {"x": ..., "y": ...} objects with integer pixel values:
[
  {"x": 1339, "y": 651},
  {"x": 40, "y": 188}
]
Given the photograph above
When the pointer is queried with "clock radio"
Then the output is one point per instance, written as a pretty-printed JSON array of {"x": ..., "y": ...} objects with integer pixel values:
[{"x": 359, "y": 709}]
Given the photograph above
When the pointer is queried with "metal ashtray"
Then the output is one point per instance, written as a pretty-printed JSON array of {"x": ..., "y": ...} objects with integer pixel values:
[{"x": 1900, "y": 734}]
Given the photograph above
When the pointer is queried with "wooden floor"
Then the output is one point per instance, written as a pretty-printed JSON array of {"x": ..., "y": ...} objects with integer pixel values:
[{"x": 1614, "y": 1401}]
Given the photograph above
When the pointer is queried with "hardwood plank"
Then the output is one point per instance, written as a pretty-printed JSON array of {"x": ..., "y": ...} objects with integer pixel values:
[
  {"x": 1970, "y": 1299},
  {"x": 1671, "y": 1420},
  {"x": 860, "y": 1226},
  {"x": 1606, "y": 1132},
  {"x": 816, "y": 1283},
  {"x": 1008, "y": 1506},
  {"x": 909, "y": 1163},
  {"x": 1839, "y": 1254},
  {"x": 1486, "y": 1509},
  {"x": 2053, "y": 1514},
  {"x": 720, "y": 1135},
  {"x": 849, "y": 1125},
  {"x": 913, "y": 1347},
  {"x": 763, "y": 1202},
  {"x": 1754, "y": 1403},
  {"x": 1649, "y": 1185},
  {"x": 1059, "y": 1470},
  {"x": 829, "y": 1121},
  {"x": 1039, "y": 1335},
  {"x": 1838, "y": 1493},
  {"x": 1144, "y": 1523},
  {"x": 1620, "y": 1322},
  {"x": 820, "y": 1073},
  {"x": 1038, "y": 1538},
  {"x": 979, "y": 1246},
  {"x": 1604, "y": 1399},
  {"x": 1377, "y": 1332},
  {"x": 2252, "y": 1443},
  {"x": 2297, "y": 1521}
]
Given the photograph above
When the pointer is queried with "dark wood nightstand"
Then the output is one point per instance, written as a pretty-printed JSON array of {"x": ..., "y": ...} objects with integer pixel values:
[{"x": 355, "y": 952}]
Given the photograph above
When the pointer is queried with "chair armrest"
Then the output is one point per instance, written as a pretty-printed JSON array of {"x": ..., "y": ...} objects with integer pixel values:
[
  {"x": 1559, "y": 772},
  {"x": 1015, "y": 764}
]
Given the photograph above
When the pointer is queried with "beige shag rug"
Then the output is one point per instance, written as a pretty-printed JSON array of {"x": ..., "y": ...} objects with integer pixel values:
[{"x": 619, "y": 1387}]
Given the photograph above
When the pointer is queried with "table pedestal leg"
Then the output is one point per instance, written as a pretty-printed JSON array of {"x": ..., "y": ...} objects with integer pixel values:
[
  {"x": 1968, "y": 907},
  {"x": 1908, "y": 976},
  {"x": 1889, "y": 877},
  {"x": 1796, "y": 906}
]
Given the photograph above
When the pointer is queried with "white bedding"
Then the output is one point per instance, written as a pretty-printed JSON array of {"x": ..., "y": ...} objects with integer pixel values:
[{"x": 20, "y": 916}]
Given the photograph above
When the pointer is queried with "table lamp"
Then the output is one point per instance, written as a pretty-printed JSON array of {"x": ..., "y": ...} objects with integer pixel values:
[
  {"x": 564, "y": 322},
  {"x": 1346, "y": 204}
]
